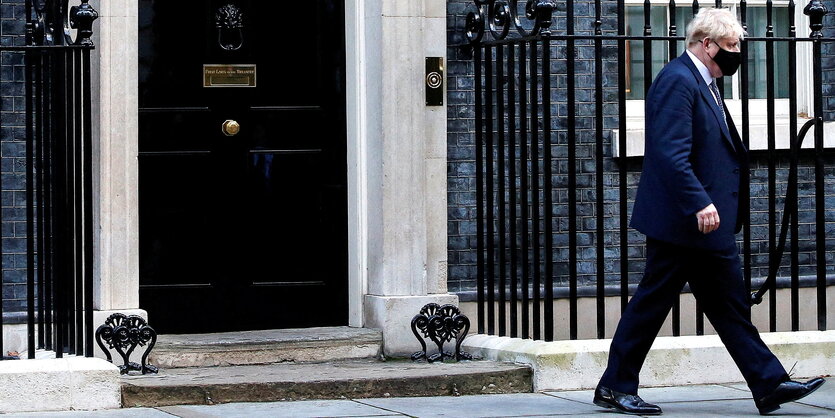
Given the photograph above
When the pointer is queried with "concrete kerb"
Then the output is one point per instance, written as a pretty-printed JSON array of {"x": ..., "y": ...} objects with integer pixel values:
[
  {"x": 72, "y": 383},
  {"x": 572, "y": 365}
]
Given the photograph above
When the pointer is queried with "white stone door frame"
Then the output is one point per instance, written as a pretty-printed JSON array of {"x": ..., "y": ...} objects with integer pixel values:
[
  {"x": 357, "y": 106},
  {"x": 397, "y": 224},
  {"x": 114, "y": 70},
  {"x": 396, "y": 158}
]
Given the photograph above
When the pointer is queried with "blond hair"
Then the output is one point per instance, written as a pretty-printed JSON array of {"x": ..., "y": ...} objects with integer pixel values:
[{"x": 715, "y": 24}]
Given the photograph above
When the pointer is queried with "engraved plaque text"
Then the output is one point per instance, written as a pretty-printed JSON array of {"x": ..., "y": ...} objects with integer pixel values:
[{"x": 228, "y": 75}]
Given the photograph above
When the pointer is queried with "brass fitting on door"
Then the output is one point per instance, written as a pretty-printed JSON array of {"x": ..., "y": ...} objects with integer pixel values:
[{"x": 230, "y": 127}]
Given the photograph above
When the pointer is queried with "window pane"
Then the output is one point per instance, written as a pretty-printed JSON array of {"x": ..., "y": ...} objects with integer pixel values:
[
  {"x": 683, "y": 16},
  {"x": 757, "y": 69},
  {"x": 635, "y": 49}
]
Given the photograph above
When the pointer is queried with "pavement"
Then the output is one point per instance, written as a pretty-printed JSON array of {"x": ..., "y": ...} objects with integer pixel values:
[{"x": 680, "y": 401}]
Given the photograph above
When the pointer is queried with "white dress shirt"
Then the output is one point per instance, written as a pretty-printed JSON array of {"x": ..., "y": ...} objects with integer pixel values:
[{"x": 704, "y": 72}]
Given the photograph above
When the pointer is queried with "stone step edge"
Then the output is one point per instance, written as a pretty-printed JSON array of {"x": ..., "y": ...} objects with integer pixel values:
[
  {"x": 320, "y": 335},
  {"x": 519, "y": 380},
  {"x": 175, "y": 359},
  {"x": 260, "y": 345}
]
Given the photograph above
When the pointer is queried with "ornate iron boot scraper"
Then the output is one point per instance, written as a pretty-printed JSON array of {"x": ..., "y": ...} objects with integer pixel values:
[
  {"x": 440, "y": 324},
  {"x": 124, "y": 333}
]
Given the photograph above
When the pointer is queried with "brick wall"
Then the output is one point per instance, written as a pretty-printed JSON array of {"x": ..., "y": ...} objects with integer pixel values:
[
  {"x": 461, "y": 155},
  {"x": 12, "y": 157}
]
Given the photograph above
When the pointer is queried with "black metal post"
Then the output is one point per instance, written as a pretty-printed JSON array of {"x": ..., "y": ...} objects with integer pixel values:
[
  {"x": 489, "y": 175},
  {"x": 512, "y": 159},
  {"x": 623, "y": 197},
  {"x": 795, "y": 229},
  {"x": 480, "y": 197},
  {"x": 820, "y": 191},
  {"x": 535, "y": 178},
  {"x": 80, "y": 202},
  {"x": 87, "y": 133},
  {"x": 501, "y": 179},
  {"x": 48, "y": 197},
  {"x": 547, "y": 185},
  {"x": 38, "y": 266},
  {"x": 746, "y": 134},
  {"x": 30, "y": 198},
  {"x": 599, "y": 205},
  {"x": 816, "y": 11},
  {"x": 523, "y": 185},
  {"x": 63, "y": 250},
  {"x": 772, "y": 170},
  {"x": 70, "y": 217},
  {"x": 572, "y": 172}
]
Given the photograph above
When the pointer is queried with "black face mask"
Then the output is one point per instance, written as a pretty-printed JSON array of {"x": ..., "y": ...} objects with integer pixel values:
[{"x": 727, "y": 61}]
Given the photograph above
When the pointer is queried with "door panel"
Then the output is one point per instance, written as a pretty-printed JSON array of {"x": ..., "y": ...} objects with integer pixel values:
[
  {"x": 246, "y": 231},
  {"x": 277, "y": 200}
]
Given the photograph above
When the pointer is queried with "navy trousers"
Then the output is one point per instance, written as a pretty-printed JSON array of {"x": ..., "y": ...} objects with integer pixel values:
[{"x": 715, "y": 278}]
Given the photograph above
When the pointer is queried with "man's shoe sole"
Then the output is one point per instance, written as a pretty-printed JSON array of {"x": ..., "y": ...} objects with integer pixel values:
[
  {"x": 604, "y": 404},
  {"x": 770, "y": 409}
]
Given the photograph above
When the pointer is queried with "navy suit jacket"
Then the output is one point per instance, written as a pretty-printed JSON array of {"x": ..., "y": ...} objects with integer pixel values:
[{"x": 691, "y": 159}]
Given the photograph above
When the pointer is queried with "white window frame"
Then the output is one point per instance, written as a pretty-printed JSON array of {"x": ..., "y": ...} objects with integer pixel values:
[{"x": 757, "y": 108}]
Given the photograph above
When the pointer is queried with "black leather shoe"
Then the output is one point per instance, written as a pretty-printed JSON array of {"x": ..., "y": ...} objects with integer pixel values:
[
  {"x": 787, "y": 391},
  {"x": 624, "y": 403}
]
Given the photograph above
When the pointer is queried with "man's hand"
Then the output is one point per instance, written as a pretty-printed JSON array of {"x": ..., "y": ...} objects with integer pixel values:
[{"x": 708, "y": 219}]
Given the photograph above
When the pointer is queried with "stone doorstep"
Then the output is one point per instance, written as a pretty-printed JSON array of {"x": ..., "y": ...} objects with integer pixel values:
[
  {"x": 672, "y": 361},
  {"x": 264, "y": 347},
  {"x": 333, "y": 380}
]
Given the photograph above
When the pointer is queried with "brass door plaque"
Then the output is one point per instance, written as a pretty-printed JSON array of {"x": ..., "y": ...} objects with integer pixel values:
[{"x": 228, "y": 75}]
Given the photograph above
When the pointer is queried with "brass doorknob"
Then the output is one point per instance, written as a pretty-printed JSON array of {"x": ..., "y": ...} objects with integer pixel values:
[{"x": 230, "y": 127}]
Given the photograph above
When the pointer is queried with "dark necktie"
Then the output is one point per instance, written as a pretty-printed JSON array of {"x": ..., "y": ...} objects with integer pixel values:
[
  {"x": 718, "y": 98},
  {"x": 715, "y": 92}
]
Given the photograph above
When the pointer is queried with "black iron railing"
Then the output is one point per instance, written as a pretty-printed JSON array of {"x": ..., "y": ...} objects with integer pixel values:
[
  {"x": 59, "y": 212},
  {"x": 523, "y": 234}
]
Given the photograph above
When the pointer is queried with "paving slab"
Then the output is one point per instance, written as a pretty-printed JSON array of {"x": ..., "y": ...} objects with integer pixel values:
[
  {"x": 108, "y": 413},
  {"x": 608, "y": 414},
  {"x": 824, "y": 397},
  {"x": 691, "y": 393},
  {"x": 300, "y": 409},
  {"x": 667, "y": 394},
  {"x": 334, "y": 380},
  {"x": 515, "y": 405},
  {"x": 676, "y": 402},
  {"x": 736, "y": 408},
  {"x": 715, "y": 400}
]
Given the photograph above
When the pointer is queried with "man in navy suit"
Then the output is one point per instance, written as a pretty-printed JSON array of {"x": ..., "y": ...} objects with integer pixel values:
[{"x": 690, "y": 203}]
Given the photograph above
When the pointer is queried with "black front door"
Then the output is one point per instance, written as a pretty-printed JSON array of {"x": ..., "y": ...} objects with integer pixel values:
[{"x": 242, "y": 165}]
